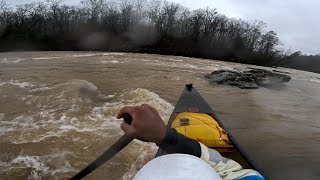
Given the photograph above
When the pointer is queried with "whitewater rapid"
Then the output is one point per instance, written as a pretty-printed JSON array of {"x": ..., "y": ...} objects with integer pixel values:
[{"x": 57, "y": 111}]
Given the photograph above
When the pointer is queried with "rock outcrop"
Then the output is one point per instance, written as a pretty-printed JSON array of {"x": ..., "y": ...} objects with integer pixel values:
[{"x": 251, "y": 79}]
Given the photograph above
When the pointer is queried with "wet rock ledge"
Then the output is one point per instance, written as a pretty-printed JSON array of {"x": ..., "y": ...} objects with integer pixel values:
[{"x": 251, "y": 79}]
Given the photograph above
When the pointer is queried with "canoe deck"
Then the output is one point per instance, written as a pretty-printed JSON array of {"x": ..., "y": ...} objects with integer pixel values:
[{"x": 191, "y": 101}]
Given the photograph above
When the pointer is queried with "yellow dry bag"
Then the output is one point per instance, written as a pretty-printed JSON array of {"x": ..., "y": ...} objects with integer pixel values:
[{"x": 203, "y": 128}]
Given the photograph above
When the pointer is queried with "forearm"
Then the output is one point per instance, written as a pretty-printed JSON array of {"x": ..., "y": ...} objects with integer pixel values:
[{"x": 175, "y": 142}]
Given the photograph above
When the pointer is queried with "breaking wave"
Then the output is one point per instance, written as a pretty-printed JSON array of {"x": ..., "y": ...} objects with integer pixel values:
[
  {"x": 71, "y": 112},
  {"x": 40, "y": 166}
]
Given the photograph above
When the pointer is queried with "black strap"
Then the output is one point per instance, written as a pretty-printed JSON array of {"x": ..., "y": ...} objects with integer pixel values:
[
  {"x": 175, "y": 142},
  {"x": 108, "y": 154}
]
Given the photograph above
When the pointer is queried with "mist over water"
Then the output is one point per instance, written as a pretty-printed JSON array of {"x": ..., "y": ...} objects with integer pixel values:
[{"x": 57, "y": 112}]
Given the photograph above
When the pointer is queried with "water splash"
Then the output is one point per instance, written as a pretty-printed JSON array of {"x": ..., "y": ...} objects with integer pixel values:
[
  {"x": 71, "y": 112},
  {"x": 39, "y": 166}
]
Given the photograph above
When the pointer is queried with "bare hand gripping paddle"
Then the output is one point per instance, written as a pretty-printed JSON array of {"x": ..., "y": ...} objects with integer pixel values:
[{"x": 108, "y": 154}]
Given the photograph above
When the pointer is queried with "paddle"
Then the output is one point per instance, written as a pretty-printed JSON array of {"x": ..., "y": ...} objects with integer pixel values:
[{"x": 108, "y": 154}]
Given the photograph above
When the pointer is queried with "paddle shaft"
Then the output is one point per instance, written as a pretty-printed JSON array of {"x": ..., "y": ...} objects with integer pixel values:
[{"x": 108, "y": 154}]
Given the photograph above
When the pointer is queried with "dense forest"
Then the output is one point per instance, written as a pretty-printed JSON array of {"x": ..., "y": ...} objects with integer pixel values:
[
  {"x": 149, "y": 26},
  {"x": 304, "y": 62}
]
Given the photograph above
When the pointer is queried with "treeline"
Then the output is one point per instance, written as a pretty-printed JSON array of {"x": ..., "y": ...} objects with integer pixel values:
[
  {"x": 150, "y": 26},
  {"x": 304, "y": 62}
]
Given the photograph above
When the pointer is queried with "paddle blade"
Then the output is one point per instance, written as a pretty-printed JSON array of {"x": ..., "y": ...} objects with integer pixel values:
[{"x": 108, "y": 154}]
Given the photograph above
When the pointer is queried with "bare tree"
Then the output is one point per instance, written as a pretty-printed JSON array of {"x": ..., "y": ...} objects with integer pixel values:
[{"x": 155, "y": 26}]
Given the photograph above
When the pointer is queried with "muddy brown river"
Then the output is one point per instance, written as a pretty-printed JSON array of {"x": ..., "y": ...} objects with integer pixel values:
[{"x": 57, "y": 113}]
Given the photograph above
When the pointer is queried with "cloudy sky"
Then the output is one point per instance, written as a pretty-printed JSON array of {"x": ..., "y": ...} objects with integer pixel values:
[{"x": 297, "y": 22}]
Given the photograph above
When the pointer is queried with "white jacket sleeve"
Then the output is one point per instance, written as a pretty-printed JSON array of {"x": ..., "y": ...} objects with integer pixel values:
[{"x": 228, "y": 169}]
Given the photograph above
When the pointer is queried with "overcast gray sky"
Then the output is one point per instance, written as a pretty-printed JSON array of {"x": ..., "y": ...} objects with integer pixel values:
[{"x": 297, "y": 22}]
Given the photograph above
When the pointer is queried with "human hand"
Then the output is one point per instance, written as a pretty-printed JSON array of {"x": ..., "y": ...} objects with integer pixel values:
[{"x": 146, "y": 124}]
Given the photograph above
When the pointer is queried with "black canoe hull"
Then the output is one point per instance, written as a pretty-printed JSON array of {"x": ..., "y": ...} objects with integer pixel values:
[{"x": 191, "y": 100}]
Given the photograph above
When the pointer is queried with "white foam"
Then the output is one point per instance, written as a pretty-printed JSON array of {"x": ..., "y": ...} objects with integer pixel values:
[
  {"x": 85, "y": 55},
  {"x": 40, "y": 138},
  {"x": 3, "y": 128},
  {"x": 4, "y": 60},
  {"x": 21, "y": 84},
  {"x": 142, "y": 96},
  {"x": 41, "y": 89},
  {"x": 12, "y": 60},
  {"x": 167, "y": 64},
  {"x": 175, "y": 78},
  {"x": 42, "y": 167},
  {"x": 304, "y": 78},
  {"x": 45, "y": 58},
  {"x": 101, "y": 120},
  {"x": 63, "y": 117},
  {"x": 54, "y": 120},
  {"x": 113, "y": 54},
  {"x": 113, "y": 61},
  {"x": 19, "y": 123},
  {"x": 175, "y": 60},
  {"x": 70, "y": 127},
  {"x": 190, "y": 66},
  {"x": 111, "y": 96},
  {"x": 31, "y": 162},
  {"x": 210, "y": 68},
  {"x": 147, "y": 153},
  {"x": 49, "y": 127},
  {"x": 151, "y": 60},
  {"x": 315, "y": 80},
  {"x": 18, "y": 83}
]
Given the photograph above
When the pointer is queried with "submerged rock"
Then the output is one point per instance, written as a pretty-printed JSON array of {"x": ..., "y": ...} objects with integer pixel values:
[{"x": 251, "y": 79}]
